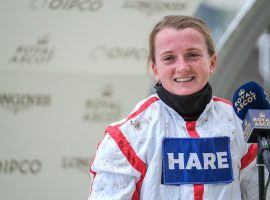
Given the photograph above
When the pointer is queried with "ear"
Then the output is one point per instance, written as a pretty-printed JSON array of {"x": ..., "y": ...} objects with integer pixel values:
[
  {"x": 213, "y": 63},
  {"x": 155, "y": 71}
]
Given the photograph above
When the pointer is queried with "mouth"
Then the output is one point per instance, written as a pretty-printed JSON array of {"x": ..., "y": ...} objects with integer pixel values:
[{"x": 184, "y": 79}]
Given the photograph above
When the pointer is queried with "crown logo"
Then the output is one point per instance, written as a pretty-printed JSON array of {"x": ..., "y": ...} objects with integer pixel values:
[
  {"x": 261, "y": 114},
  {"x": 43, "y": 40},
  {"x": 107, "y": 91},
  {"x": 241, "y": 92}
]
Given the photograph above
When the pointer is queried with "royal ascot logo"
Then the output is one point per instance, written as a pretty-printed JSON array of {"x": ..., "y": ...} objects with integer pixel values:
[
  {"x": 114, "y": 53},
  {"x": 261, "y": 120},
  {"x": 103, "y": 108},
  {"x": 39, "y": 53},
  {"x": 77, "y": 163},
  {"x": 67, "y": 5},
  {"x": 151, "y": 7},
  {"x": 20, "y": 166},
  {"x": 17, "y": 102},
  {"x": 245, "y": 98}
]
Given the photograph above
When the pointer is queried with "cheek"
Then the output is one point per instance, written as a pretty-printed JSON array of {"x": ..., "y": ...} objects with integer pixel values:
[
  {"x": 165, "y": 72},
  {"x": 205, "y": 74},
  {"x": 160, "y": 70},
  {"x": 203, "y": 69}
]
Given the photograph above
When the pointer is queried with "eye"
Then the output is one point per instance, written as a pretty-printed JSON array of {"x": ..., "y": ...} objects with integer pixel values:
[
  {"x": 168, "y": 58},
  {"x": 192, "y": 55}
]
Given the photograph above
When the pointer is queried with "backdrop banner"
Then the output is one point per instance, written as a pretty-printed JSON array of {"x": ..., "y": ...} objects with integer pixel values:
[{"x": 68, "y": 68}]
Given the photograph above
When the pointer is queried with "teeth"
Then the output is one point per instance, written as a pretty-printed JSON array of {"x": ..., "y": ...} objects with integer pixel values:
[{"x": 184, "y": 79}]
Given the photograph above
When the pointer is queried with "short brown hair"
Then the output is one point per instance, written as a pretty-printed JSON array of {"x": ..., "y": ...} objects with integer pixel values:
[{"x": 180, "y": 22}]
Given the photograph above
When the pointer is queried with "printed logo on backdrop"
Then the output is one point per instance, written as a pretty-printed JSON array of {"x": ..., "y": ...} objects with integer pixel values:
[
  {"x": 151, "y": 7},
  {"x": 67, "y": 5},
  {"x": 104, "y": 108},
  {"x": 20, "y": 166},
  {"x": 17, "y": 102},
  {"x": 38, "y": 53},
  {"x": 79, "y": 163},
  {"x": 113, "y": 53}
]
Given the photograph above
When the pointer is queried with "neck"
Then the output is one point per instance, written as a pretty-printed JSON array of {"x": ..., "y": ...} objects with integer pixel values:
[{"x": 189, "y": 107}]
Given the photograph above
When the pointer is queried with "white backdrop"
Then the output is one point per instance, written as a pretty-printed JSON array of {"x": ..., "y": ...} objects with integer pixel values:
[{"x": 68, "y": 68}]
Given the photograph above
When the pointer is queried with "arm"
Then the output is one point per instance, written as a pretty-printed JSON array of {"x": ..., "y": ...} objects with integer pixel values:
[{"x": 114, "y": 176}]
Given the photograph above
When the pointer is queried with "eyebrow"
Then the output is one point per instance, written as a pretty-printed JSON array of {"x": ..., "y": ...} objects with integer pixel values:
[
  {"x": 166, "y": 52},
  {"x": 190, "y": 49}
]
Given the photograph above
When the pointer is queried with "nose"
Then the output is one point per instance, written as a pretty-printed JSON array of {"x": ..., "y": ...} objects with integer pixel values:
[{"x": 181, "y": 65}]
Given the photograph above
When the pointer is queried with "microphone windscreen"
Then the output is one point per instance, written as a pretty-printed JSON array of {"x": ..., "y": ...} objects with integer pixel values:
[{"x": 249, "y": 96}]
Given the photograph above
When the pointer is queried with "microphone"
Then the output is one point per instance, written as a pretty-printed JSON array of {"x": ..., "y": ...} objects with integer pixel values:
[{"x": 252, "y": 105}]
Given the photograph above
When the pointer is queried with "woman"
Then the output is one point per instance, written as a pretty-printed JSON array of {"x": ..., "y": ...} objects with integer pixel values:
[{"x": 140, "y": 156}]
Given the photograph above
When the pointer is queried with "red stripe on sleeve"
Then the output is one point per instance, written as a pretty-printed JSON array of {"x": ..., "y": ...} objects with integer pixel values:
[
  {"x": 249, "y": 156},
  {"x": 131, "y": 156}
]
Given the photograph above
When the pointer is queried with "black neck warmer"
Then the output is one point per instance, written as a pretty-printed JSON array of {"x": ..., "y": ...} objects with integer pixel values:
[{"x": 189, "y": 107}]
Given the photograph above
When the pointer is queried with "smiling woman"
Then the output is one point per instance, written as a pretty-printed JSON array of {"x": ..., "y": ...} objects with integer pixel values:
[
  {"x": 182, "y": 54},
  {"x": 189, "y": 144},
  {"x": 182, "y": 69}
]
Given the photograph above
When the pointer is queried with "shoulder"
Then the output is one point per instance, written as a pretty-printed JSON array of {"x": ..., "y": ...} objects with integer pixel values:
[
  {"x": 222, "y": 104},
  {"x": 146, "y": 105},
  {"x": 223, "y": 107},
  {"x": 133, "y": 131},
  {"x": 129, "y": 135},
  {"x": 222, "y": 101}
]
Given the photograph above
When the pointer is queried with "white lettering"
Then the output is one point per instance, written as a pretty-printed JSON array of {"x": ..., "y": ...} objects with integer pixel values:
[
  {"x": 209, "y": 160},
  {"x": 222, "y": 160},
  {"x": 193, "y": 161},
  {"x": 179, "y": 160},
  {"x": 239, "y": 100},
  {"x": 244, "y": 100}
]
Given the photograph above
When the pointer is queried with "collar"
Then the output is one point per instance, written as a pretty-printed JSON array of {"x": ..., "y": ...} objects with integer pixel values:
[{"x": 189, "y": 107}]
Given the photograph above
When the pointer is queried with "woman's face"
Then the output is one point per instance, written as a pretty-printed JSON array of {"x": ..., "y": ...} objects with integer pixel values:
[{"x": 182, "y": 63}]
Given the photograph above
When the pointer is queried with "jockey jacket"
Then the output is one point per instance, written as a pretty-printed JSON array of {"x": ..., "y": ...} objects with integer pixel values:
[{"x": 128, "y": 161}]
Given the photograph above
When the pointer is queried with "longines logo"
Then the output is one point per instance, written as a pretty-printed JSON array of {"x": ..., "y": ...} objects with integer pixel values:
[
  {"x": 103, "y": 108},
  {"x": 78, "y": 163},
  {"x": 67, "y": 5},
  {"x": 23, "y": 166},
  {"x": 99, "y": 52},
  {"x": 20, "y": 101},
  {"x": 153, "y": 7},
  {"x": 39, "y": 53}
]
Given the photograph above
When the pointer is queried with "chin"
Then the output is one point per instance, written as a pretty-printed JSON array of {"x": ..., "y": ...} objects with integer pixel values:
[
  {"x": 185, "y": 89},
  {"x": 185, "y": 92}
]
